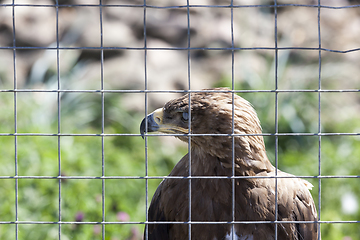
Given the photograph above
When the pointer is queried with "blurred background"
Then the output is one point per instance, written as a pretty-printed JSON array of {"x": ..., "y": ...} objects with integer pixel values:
[{"x": 36, "y": 71}]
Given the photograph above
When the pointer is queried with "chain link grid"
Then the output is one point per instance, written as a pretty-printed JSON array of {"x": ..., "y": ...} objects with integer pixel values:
[{"x": 60, "y": 178}]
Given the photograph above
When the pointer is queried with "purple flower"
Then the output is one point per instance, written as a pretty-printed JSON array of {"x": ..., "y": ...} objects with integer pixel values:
[
  {"x": 122, "y": 217},
  {"x": 79, "y": 217},
  {"x": 97, "y": 229}
]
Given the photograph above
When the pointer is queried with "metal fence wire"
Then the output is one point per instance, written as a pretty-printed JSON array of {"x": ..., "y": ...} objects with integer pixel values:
[{"x": 58, "y": 76}]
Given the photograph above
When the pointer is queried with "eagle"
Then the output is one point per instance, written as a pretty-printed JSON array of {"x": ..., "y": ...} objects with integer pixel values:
[{"x": 225, "y": 142}]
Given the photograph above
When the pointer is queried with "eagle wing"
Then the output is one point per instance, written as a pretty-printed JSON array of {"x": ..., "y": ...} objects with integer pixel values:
[
  {"x": 168, "y": 204},
  {"x": 296, "y": 204},
  {"x": 255, "y": 201},
  {"x": 156, "y": 213}
]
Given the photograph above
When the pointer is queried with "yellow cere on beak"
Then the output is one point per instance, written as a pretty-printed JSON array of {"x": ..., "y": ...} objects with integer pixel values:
[{"x": 155, "y": 123}]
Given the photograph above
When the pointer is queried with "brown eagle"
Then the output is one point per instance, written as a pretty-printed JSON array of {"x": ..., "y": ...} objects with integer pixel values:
[{"x": 215, "y": 212}]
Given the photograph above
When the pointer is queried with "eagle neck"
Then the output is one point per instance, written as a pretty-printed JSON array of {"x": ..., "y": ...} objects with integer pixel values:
[
  {"x": 248, "y": 161},
  {"x": 204, "y": 164},
  {"x": 250, "y": 155}
]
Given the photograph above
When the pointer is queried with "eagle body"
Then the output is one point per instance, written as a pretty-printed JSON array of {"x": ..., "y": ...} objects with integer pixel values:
[{"x": 224, "y": 156}]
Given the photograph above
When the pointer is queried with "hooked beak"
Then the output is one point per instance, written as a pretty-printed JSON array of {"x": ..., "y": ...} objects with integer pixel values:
[{"x": 154, "y": 121}]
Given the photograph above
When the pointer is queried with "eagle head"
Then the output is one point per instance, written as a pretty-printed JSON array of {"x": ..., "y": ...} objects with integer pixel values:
[{"x": 216, "y": 118}]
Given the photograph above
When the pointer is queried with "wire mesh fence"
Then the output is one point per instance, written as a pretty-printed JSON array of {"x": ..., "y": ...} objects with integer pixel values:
[{"x": 77, "y": 77}]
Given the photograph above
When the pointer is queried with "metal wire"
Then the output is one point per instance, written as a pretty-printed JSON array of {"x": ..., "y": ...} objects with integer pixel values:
[
  {"x": 146, "y": 230},
  {"x": 182, "y": 91},
  {"x": 233, "y": 197},
  {"x": 15, "y": 126},
  {"x": 102, "y": 122},
  {"x": 58, "y": 115},
  {"x": 146, "y": 177},
  {"x": 173, "y": 177},
  {"x": 172, "y": 222},
  {"x": 189, "y": 124},
  {"x": 181, "y": 48},
  {"x": 176, "y": 135},
  {"x": 276, "y": 116},
  {"x": 182, "y": 6},
  {"x": 319, "y": 125}
]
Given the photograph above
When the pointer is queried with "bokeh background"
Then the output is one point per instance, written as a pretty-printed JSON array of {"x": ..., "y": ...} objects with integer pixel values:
[{"x": 37, "y": 72}]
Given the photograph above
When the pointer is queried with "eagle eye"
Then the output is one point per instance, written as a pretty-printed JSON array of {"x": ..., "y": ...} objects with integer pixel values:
[{"x": 185, "y": 116}]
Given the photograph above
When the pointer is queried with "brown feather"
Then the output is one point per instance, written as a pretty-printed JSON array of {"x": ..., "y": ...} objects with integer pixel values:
[{"x": 211, "y": 199}]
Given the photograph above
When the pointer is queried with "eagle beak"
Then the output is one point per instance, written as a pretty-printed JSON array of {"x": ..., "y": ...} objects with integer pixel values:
[{"x": 154, "y": 120}]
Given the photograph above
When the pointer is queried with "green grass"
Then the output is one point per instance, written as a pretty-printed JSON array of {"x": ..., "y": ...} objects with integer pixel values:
[{"x": 81, "y": 199}]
